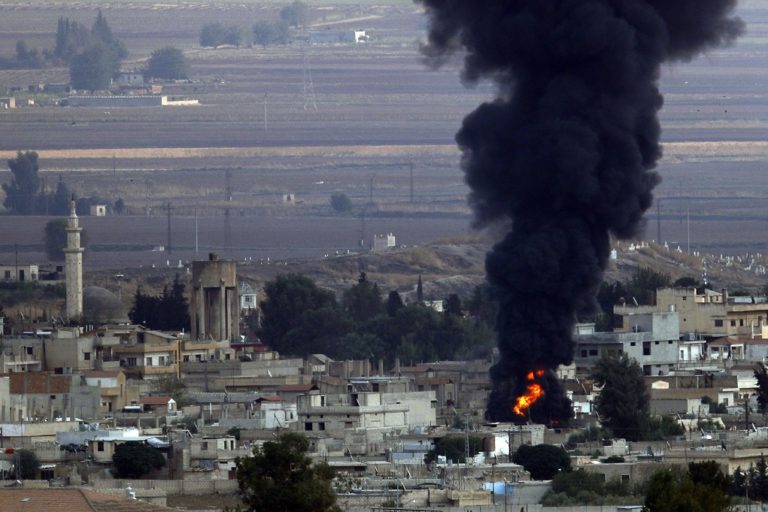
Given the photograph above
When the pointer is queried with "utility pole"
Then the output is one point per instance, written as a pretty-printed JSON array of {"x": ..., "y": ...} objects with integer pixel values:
[
  {"x": 265, "y": 112},
  {"x": 196, "y": 233},
  {"x": 410, "y": 165},
  {"x": 310, "y": 101},
  {"x": 227, "y": 231},
  {"x": 168, "y": 209},
  {"x": 228, "y": 185}
]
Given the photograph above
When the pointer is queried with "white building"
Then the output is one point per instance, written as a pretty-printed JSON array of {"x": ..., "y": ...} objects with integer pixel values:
[{"x": 383, "y": 242}]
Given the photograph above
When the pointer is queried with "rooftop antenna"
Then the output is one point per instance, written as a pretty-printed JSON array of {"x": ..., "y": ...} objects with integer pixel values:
[{"x": 310, "y": 102}]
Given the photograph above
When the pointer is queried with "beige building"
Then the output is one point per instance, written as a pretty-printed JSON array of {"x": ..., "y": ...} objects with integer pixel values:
[
  {"x": 149, "y": 354},
  {"x": 707, "y": 312},
  {"x": 112, "y": 388}
]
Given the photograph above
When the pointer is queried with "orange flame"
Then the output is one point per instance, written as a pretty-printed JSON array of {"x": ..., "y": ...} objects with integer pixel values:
[{"x": 535, "y": 392}]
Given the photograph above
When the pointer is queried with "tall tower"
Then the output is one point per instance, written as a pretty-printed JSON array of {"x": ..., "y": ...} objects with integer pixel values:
[
  {"x": 214, "y": 309},
  {"x": 73, "y": 255}
]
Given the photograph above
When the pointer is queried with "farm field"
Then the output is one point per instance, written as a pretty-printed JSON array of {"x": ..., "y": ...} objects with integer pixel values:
[{"x": 311, "y": 120}]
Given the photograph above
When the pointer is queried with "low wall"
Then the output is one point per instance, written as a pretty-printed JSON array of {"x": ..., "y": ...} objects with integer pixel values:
[{"x": 172, "y": 487}]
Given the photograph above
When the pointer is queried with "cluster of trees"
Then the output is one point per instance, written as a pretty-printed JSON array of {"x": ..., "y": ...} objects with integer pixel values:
[
  {"x": 25, "y": 195},
  {"x": 454, "y": 448},
  {"x": 299, "y": 318},
  {"x": 267, "y": 33},
  {"x": 167, "y": 63},
  {"x": 623, "y": 403},
  {"x": 752, "y": 483},
  {"x": 571, "y": 488},
  {"x": 134, "y": 460},
  {"x": 216, "y": 34},
  {"x": 94, "y": 57},
  {"x": 168, "y": 311}
]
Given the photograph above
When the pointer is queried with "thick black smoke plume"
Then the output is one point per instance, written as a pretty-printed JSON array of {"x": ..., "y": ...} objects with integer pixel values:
[{"x": 565, "y": 153}]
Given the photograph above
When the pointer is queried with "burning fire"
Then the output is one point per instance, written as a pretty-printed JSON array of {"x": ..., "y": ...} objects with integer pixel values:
[{"x": 535, "y": 392}]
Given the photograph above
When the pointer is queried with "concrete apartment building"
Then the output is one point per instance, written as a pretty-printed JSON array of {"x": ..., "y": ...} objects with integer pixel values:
[
  {"x": 652, "y": 341},
  {"x": 707, "y": 313},
  {"x": 112, "y": 388},
  {"x": 149, "y": 354}
]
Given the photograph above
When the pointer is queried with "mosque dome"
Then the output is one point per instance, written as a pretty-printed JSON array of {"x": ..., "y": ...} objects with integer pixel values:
[{"x": 102, "y": 306}]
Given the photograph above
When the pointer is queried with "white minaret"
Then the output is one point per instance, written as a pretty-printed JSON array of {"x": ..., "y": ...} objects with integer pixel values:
[{"x": 73, "y": 255}]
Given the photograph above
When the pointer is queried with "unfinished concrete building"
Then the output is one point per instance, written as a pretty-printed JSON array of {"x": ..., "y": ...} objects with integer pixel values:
[{"x": 215, "y": 307}]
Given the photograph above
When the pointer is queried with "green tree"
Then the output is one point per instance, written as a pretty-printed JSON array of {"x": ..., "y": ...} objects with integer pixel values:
[
  {"x": 363, "y": 300},
  {"x": 542, "y": 461},
  {"x": 318, "y": 331},
  {"x": 101, "y": 34},
  {"x": 21, "y": 192},
  {"x": 673, "y": 490},
  {"x": 453, "y": 305},
  {"x": 623, "y": 402},
  {"x": 288, "y": 296},
  {"x": 28, "y": 464},
  {"x": 280, "y": 477},
  {"x": 644, "y": 283},
  {"x": 216, "y": 34},
  {"x": 394, "y": 303},
  {"x": 134, "y": 460},
  {"x": 55, "y": 239},
  {"x": 686, "y": 282},
  {"x": 27, "y": 58},
  {"x": 168, "y": 312},
  {"x": 71, "y": 38},
  {"x": 92, "y": 69},
  {"x": 340, "y": 202},
  {"x": 296, "y": 14},
  {"x": 266, "y": 33},
  {"x": 167, "y": 63}
]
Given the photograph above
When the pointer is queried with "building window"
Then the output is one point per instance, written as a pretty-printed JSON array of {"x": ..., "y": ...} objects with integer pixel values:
[
  {"x": 348, "y": 424},
  {"x": 29, "y": 351},
  {"x": 100, "y": 446},
  {"x": 733, "y": 323},
  {"x": 308, "y": 426},
  {"x": 53, "y": 397},
  {"x": 718, "y": 323},
  {"x": 131, "y": 362},
  {"x": 632, "y": 344},
  {"x": 741, "y": 322},
  {"x": 186, "y": 359},
  {"x": 583, "y": 353},
  {"x": 148, "y": 361},
  {"x": 204, "y": 445},
  {"x": 321, "y": 425},
  {"x": 7, "y": 274},
  {"x": 646, "y": 348},
  {"x": 593, "y": 352},
  {"x": 87, "y": 356}
]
